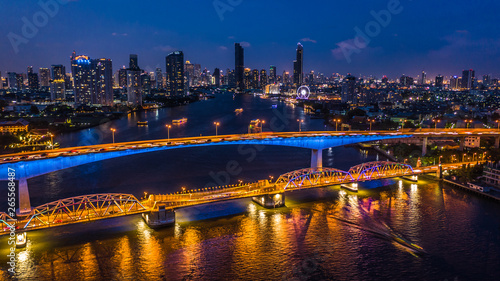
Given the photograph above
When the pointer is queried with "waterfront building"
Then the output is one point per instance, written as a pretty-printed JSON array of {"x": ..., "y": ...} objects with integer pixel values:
[
  {"x": 298, "y": 66},
  {"x": 239, "y": 65}
]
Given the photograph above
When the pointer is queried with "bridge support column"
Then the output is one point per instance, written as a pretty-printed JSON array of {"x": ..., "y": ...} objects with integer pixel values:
[
  {"x": 439, "y": 172},
  {"x": 270, "y": 201},
  {"x": 317, "y": 158},
  {"x": 424, "y": 146},
  {"x": 462, "y": 144},
  {"x": 497, "y": 142},
  {"x": 159, "y": 218},
  {"x": 24, "y": 196}
]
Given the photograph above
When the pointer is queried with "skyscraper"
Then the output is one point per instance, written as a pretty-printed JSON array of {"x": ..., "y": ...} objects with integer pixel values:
[
  {"x": 487, "y": 80},
  {"x": 82, "y": 79},
  {"x": 349, "y": 91},
  {"x": 217, "y": 77},
  {"x": 175, "y": 73},
  {"x": 158, "y": 78},
  {"x": 454, "y": 83},
  {"x": 272, "y": 75},
  {"x": 122, "y": 77},
  {"x": 102, "y": 80},
  {"x": 12, "y": 80},
  {"x": 298, "y": 66},
  {"x": 133, "y": 63},
  {"x": 239, "y": 65},
  {"x": 468, "y": 77},
  {"x": 406, "y": 81},
  {"x": 189, "y": 72},
  {"x": 58, "y": 72},
  {"x": 247, "y": 79},
  {"x": 32, "y": 79},
  {"x": 263, "y": 78},
  {"x": 439, "y": 81},
  {"x": 423, "y": 78},
  {"x": 44, "y": 77},
  {"x": 255, "y": 79},
  {"x": 93, "y": 80}
]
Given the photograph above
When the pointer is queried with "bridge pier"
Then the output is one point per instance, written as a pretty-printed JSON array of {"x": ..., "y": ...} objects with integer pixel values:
[
  {"x": 317, "y": 158},
  {"x": 270, "y": 201},
  {"x": 462, "y": 144},
  {"x": 24, "y": 195},
  {"x": 159, "y": 218},
  {"x": 424, "y": 146},
  {"x": 497, "y": 142}
]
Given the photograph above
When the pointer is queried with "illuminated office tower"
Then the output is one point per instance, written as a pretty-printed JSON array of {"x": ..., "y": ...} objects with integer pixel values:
[
  {"x": 263, "y": 78},
  {"x": 175, "y": 73},
  {"x": 468, "y": 77}
]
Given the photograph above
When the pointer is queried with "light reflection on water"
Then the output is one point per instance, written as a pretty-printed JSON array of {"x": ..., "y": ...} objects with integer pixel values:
[{"x": 281, "y": 243}]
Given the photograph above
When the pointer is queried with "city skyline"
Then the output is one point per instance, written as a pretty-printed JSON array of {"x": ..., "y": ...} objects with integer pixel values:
[{"x": 402, "y": 46}]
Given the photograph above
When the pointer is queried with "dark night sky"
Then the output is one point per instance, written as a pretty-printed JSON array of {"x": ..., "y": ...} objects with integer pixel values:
[{"x": 436, "y": 36}]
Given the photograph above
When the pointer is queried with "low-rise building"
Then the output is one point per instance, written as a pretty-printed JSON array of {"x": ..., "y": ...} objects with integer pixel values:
[{"x": 10, "y": 127}]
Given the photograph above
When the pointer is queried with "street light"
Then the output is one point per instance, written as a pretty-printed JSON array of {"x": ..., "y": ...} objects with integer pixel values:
[
  {"x": 498, "y": 123},
  {"x": 168, "y": 130},
  {"x": 113, "y": 132},
  {"x": 474, "y": 156},
  {"x": 468, "y": 122},
  {"x": 261, "y": 125},
  {"x": 371, "y": 122},
  {"x": 453, "y": 158},
  {"x": 463, "y": 157},
  {"x": 216, "y": 127},
  {"x": 436, "y": 124},
  {"x": 336, "y": 123},
  {"x": 300, "y": 123},
  {"x": 440, "y": 159},
  {"x": 402, "y": 124}
]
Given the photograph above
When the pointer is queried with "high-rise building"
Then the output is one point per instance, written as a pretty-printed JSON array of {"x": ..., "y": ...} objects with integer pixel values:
[
  {"x": 247, "y": 79},
  {"x": 423, "y": 78},
  {"x": 12, "y": 80},
  {"x": 231, "y": 78},
  {"x": 32, "y": 79},
  {"x": 133, "y": 62},
  {"x": 44, "y": 77},
  {"x": 239, "y": 65},
  {"x": 146, "y": 83},
  {"x": 263, "y": 78},
  {"x": 255, "y": 79},
  {"x": 175, "y": 73},
  {"x": 468, "y": 77},
  {"x": 385, "y": 80},
  {"x": 82, "y": 79},
  {"x": 455, "y": 83},
  {"x": 190, "y": 75},
  {"x": 486, "y": 80},
  {"x": 92, "y": 79},
  {"x": 158, "y": 78},
  {"x": 349, "y": 90},
  {"x": 102, "y": 70},
  {"x": 122, "y": 78},
  {"x": 217, "y": 77},
  {"x": 134, "y": 87},
  {"x": 272, "y": 75},
  {"x": 298, "y": 66},
  {"x": 439, "y": 82},
  {"x": 286, "y": 78},
  {"x": 406, "y": 81},
  {"x": 58, "y": 72}
]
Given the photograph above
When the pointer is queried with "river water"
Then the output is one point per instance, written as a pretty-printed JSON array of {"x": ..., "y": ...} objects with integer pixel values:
[{"x": 239, "y": 240}]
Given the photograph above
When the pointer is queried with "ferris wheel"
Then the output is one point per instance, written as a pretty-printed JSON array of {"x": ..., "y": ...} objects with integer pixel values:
[{"x": 303, "y": 93}]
